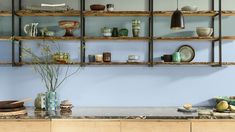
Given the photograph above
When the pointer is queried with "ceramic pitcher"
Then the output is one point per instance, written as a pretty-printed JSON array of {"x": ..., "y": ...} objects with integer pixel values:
[{"x": 31, "y": 29}]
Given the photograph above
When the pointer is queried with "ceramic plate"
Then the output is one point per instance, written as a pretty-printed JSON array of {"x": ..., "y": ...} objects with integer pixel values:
[{"x": 187, "y": 53}]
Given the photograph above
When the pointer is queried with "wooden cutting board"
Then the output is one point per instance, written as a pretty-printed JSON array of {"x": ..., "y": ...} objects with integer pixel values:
[
  {"x": 12, "y": 110},
  {"x": 14, "y": 113}
]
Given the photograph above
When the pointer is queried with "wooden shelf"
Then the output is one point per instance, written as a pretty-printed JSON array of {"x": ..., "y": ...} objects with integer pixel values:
[
  {"x": 117, "y": 38},
  {"x": 46, "y": 38},
  {"x": 47, "y": 13},
  {"x": 5, "y": 63},
  {"x": 228, "y": 13},
  {"x": 5, "y": 13},
  {"x": 3, "y": 38},
  {"x": 228, "y": 38},
  {"x": 186, "y": 13},
  {"x": 183, "y": 63},
  {"x": 116, "y": 63},
  {"x": 31, "y": 63},
  {"x": 185, "y": 38},
  {"x": 194, "y": 63},
  {"x": 116, "y": 13}
]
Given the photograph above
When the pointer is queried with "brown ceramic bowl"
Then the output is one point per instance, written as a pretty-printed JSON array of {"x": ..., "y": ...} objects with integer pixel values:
[
  {"x": 97, "y": 7},
  {"x": 8, "y": 105}
]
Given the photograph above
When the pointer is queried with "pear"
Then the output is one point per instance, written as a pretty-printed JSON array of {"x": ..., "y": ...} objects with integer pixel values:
[
  {"x": 187, "y": 106},
  {"x": 222, "y": 106},
  {"x": 232, "y": 108}
]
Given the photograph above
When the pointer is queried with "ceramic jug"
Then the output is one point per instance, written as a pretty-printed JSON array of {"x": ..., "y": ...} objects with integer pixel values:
[{"x": 31, "y": 29}]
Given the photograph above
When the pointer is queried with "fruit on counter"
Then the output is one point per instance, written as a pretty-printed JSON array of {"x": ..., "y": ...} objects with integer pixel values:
[
  {"x": 232, "y": 108},
  {"x": 187, "y": 106},
  {"x": 222, "y": 106}
]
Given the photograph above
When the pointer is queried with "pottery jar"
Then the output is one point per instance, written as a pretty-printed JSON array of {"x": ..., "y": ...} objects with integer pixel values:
[
  {"x": 123, "y": 32},
  {"x": 115, "y": 32},
  {"x": 176, "y": 57},
  {"x": 107, "y": 32},
  {"x": 98, "y": 58},
  {"x": 107, "y": 57}
]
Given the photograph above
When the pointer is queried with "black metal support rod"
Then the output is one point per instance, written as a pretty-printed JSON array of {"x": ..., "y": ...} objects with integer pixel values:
[
  {"x": 20, "y": 29},
  {"x": 213, "y": 27},
  {"x": 82, "y": 19},
  {"x": 13, "y": 31},
  {"x": 150, "y": 51},
  {"x": 220, "y": 33}
]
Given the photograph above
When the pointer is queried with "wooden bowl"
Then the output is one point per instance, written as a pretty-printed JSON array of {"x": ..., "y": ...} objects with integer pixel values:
[
  {"x": 97, "y": 7},
  {"x": 7, "y": 104}
]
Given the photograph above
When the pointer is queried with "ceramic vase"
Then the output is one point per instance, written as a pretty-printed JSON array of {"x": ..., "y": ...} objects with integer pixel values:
[
  {"x": 51, "y": 101},
  {"x": 136, "y": 28}
]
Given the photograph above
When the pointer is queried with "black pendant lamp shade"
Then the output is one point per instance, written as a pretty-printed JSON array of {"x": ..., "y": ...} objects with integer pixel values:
[{"x": 177, "y": 20}]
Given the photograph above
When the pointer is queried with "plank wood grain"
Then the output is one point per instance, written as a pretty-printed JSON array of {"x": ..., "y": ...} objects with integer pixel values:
[
  {"x": 25, "y": 126},
  {"x": 61, "y": 125},
  {"x": 155, "y": 126},
  {"x": 213, "y": 126}
]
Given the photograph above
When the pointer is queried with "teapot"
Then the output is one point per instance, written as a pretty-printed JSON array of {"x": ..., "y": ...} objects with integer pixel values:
[{"x": 31, "y": 29}]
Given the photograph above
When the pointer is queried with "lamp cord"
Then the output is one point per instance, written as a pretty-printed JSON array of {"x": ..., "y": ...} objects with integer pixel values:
[{"x": 177, "y": 4}]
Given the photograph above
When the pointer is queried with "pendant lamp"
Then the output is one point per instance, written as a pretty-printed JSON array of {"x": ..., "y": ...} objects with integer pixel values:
[{"x": 177, "y": 19}]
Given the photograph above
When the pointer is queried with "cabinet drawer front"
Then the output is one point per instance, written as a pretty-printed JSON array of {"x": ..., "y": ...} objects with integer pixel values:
[
  {"x": 213, "y": 126},
  {"x": 85, "y": 126},
  {"x": 155, "y": 127},
  {"x": 25, "y": 126}
]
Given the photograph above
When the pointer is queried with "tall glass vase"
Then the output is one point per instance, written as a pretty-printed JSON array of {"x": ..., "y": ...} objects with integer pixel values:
[{"x": 51, "y": 101}]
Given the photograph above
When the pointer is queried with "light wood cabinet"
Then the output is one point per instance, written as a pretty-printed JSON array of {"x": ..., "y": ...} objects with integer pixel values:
[
  {"x": 25, "y": 126},
  {"x": 215, "y": 126},
  {"x": 158, "y": 126},
  {"x": 70, "y": 125}
]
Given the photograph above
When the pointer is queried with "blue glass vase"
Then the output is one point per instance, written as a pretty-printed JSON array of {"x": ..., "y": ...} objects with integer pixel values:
[{"x": 51, "y": 101}]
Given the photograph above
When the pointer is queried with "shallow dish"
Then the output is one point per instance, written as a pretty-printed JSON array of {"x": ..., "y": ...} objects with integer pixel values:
[{"x": 187, "y": 53}]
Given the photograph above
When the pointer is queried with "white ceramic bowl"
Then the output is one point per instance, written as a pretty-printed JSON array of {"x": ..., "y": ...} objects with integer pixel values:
[
  {"x": 189, "y": 8},
  {"x": 204, "y": 31},
  {"x": 133, "y": 57}
]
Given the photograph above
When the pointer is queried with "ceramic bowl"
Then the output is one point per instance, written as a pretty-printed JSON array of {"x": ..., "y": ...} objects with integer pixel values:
[
  {"x": 97, "y": 7},
  {"x": 189, "y": 8},
  {"x": 204, "y": 31},
  {"x": 133, "y": 57}
]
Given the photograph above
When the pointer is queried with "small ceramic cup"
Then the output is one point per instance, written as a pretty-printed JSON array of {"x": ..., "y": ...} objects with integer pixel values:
[
  {"x": 167, "y": 58},
  {"x": 98, "y": 58},
  {"x": 133, "y": 57},
  {"x": 110, "y": 7},
  {"x": 91, "y": 58},
  {"x": 176, "y": 57}
]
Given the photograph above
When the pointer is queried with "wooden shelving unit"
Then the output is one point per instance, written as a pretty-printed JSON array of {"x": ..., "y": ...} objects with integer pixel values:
[
  {"x": 116, "y": 38},
  {"x": 149, "y": 14},
  {"x": 47, "y": 13},
  {"x": 116, "y": 13},
  {"x": 5, "y": 13},
  {"x": 19, "y": 38}
]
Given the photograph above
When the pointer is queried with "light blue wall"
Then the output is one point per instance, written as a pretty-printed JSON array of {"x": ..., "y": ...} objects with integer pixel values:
[{"x": 126, "y": 86}]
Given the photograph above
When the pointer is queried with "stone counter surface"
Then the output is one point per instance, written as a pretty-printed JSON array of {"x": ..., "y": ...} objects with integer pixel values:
[{"x": 123, "y": 113}]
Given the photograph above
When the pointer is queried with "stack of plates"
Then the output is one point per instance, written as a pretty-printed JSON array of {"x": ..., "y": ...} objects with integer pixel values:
[{"x": 9, "y": 109}]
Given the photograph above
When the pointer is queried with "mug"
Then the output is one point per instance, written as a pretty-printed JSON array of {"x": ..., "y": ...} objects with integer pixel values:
[
  {"x": 110, "y": 7},
  {"x": 167, "y": 58},
  {"x": 176, "y": 57}
]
